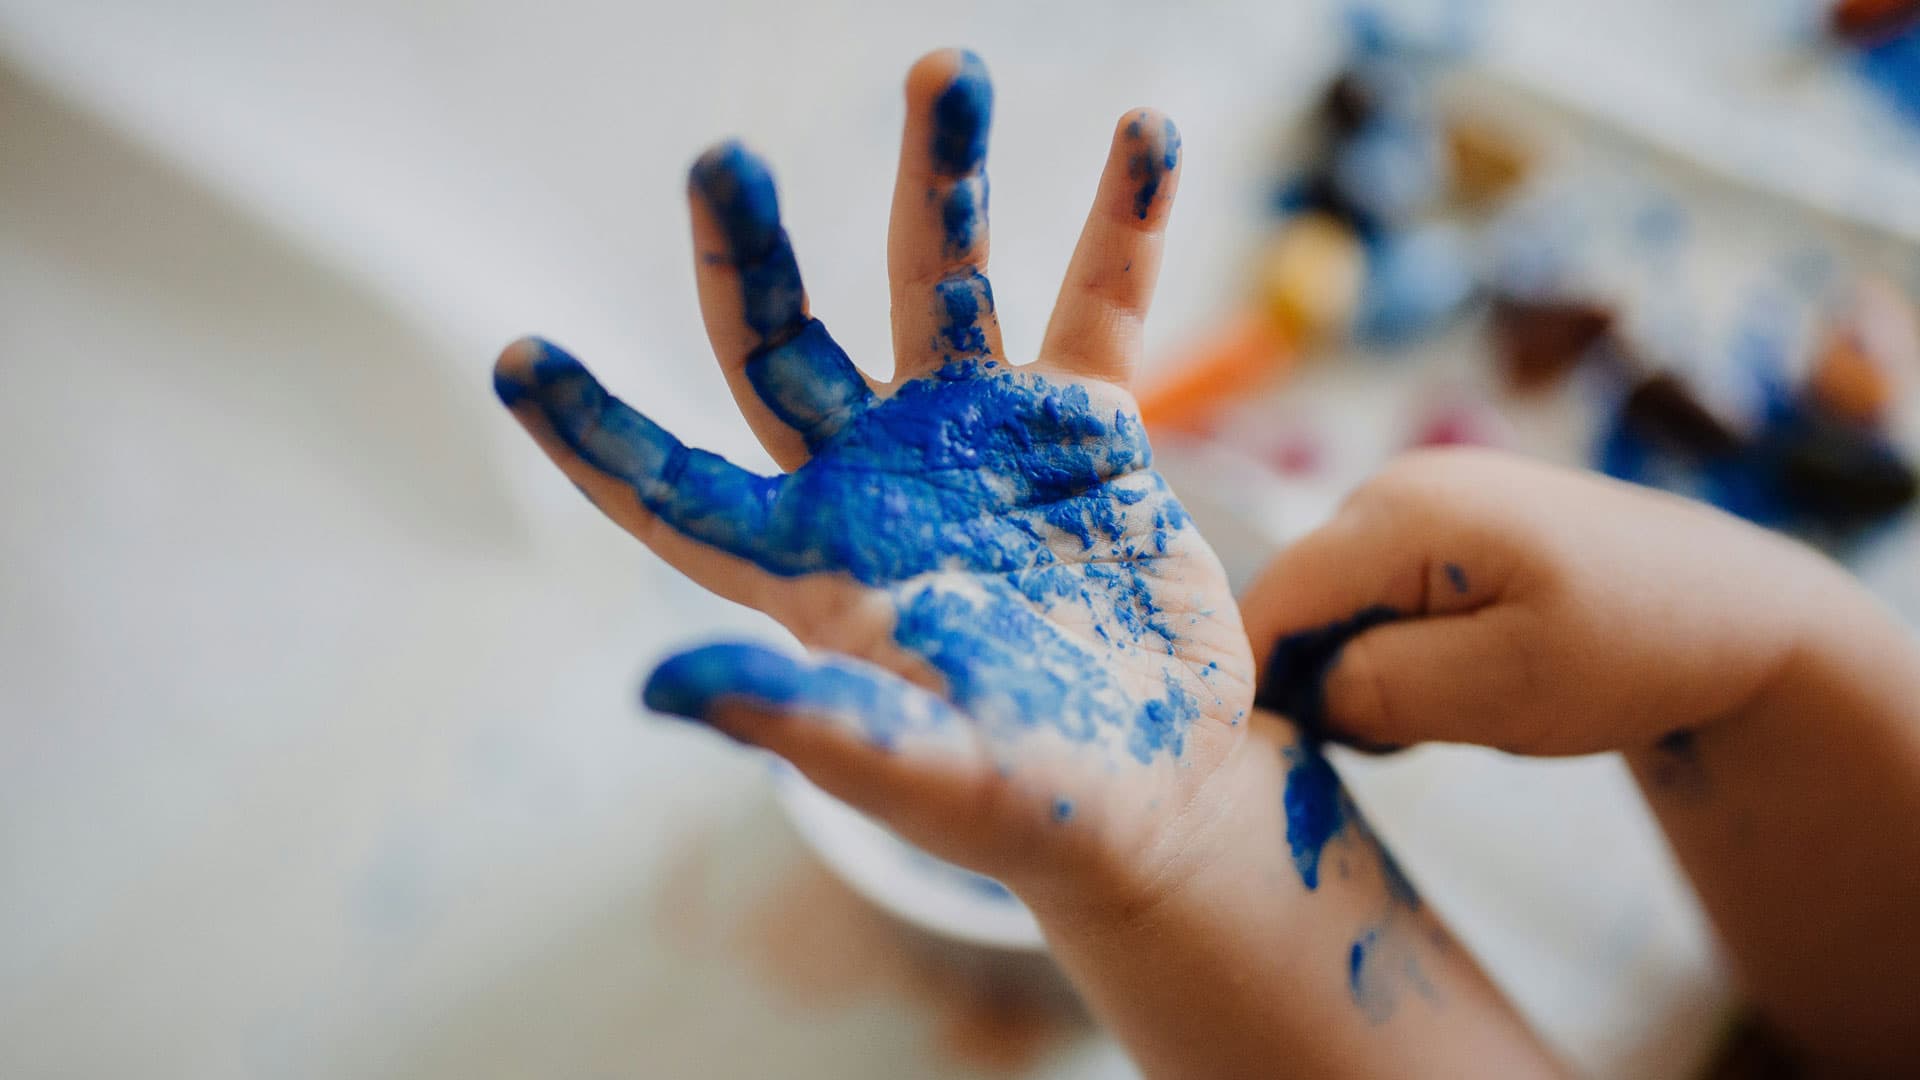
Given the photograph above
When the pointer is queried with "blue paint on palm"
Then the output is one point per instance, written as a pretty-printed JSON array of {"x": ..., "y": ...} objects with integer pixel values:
[{"x": 982, "y": 501}]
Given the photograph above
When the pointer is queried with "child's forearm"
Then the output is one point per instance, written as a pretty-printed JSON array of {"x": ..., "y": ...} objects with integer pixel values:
[
  {"x": 1231, "y": 966},
  {"x": 1798, "y": 819}
]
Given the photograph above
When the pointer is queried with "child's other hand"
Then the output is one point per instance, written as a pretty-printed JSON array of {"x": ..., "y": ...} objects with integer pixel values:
[
  {"x": 1466, "y": 596},
  {"x": 1030, "y": 663}
]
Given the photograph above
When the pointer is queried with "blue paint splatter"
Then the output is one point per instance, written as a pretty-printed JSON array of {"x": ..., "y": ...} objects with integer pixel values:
[
  {"x": 884, "y": 706},
  {"x": 1295, "y": 679},
  {"x": 1149, "y": 163},
  {"x": 1457, "y": 577},
  {"x": 1063, "y": 810},
  {"x": 1315, "y": 808},
  {"x": 963, "y": 213},
  {"x": 961, "y": 116}
]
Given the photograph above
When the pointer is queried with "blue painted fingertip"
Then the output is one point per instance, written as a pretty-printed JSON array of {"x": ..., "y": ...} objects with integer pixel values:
[
  {"x": 1155, "y": 154},
  {"x": 689, "y": 685},
  {"x": 739, "y": 189},
  {"x": 961, "y": 116}
]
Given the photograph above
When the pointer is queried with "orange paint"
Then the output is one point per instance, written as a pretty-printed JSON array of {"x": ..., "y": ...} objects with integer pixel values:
[{"x": 1248, "y": 356}]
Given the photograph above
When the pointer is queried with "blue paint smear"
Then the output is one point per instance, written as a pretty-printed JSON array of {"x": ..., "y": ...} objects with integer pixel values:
[
  {"x": 1457, "y": 577},
  {"x": 1893, "y": 68},
  {"x": 1370, "y": 988},
  {"x": 1295, "y": 679},
  {"x": 1063, "y": 810},
  {"x": 1149, "y": 164},
  {"x": 886, "y": 707},
  {"x": 965, "y": 299},
  {"x": 963, "y": 213},
  {"x": 1315, "y": 807},
  {"x": 739, "y": 190},
  {"x": 798, "y": 369},
  {"x": 808, "y": 381},
  {"x": 961, "y": 116},
  {"x": 967, "y": 471}
]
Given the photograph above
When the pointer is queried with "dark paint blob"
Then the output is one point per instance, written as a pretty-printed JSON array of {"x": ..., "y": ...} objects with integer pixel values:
[
  {"x": 1457, "y": 577},
  {"x": 1295, "y": 681},
  {"x": 739, "y": 190}
]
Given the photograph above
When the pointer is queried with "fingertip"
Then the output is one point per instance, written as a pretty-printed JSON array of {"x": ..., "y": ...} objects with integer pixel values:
[
  {"x": 688, "y": 684},
  {"x": 1152, "y": 147},
  {"x": 513, "y": 369},
  {"x": 528, "y": 365},
  {"x": 953, "y": 86},
  {"x": 737, "y": 186}
]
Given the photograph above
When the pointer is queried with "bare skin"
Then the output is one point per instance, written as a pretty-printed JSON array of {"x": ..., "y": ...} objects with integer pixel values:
[
  {"x": 1160, "y": 855},
  {"x": 1768, "y": 706}
]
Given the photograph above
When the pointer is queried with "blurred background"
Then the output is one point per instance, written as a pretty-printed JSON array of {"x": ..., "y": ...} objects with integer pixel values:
[{"x": 320, "y": 753}]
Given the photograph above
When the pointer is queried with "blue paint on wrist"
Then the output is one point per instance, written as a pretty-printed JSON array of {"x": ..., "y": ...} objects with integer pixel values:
[{"x": 1315, "y": 808}]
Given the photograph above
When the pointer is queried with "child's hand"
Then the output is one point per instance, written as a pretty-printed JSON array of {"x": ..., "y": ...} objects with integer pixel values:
[
  {"x": 1466, "y": 596},
  {"x": 1030, "y": 661},
  {"x": 1766, "y": 703}
]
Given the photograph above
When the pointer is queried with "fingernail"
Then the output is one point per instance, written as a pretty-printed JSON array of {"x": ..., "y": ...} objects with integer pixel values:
[{"x": 1295, "y": 678}]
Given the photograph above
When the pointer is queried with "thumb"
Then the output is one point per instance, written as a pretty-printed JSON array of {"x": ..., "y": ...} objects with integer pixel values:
[
  {"x": 861, "y": 733},
  {"x": 1371, "y": 638}
]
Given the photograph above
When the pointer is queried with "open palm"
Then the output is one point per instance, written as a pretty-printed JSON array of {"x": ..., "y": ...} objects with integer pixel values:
[{"x": 1031, "y": 649}]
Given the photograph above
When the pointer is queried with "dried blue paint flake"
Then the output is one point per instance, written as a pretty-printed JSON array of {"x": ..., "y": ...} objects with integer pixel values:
[{"x": 1063, "y": 810}]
